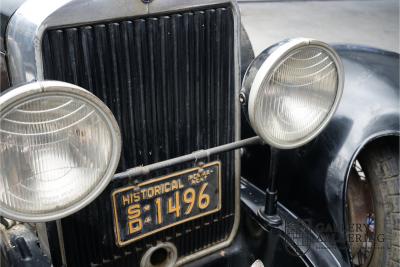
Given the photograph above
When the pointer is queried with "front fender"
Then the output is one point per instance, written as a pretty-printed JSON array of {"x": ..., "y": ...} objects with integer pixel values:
[{"x": 313, "y": 178}]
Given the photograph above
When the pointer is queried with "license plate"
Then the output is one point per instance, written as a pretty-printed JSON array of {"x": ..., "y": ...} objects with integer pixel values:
[{"x": 161, "y": 203}]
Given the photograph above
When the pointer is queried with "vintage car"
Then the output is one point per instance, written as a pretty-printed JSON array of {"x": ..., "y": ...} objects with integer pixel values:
[{"x": 145, "y": 133}]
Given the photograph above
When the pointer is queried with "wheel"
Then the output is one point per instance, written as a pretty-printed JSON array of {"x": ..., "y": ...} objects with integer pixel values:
[{"x": 373, "y": 201}]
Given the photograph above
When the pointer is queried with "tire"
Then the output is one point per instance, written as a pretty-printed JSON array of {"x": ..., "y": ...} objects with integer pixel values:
[{"x": 380, "y": 163}]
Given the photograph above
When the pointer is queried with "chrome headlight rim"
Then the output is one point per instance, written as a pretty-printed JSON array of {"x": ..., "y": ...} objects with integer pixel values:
[
  {"x": 20, "y": 94},
  {"x": 273, "y": 58}
]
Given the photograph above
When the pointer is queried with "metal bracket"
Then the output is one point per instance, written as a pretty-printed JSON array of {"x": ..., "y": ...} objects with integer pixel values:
[{"x": 19, "y": 244}]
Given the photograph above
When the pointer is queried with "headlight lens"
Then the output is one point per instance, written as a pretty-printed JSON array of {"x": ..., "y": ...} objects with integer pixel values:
[
  {"x": 295, "y": 91},
  {"x": 59, "y": 147}
]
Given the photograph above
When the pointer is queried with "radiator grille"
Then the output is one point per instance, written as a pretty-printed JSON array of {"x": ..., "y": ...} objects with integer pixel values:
[{"x": 169, "y": 81}]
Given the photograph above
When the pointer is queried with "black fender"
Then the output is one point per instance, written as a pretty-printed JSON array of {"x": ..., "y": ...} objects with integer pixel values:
[{"x": 312, "y": 179}]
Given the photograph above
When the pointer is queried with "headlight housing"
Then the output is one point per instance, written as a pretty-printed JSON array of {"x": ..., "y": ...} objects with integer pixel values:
[
  {"x": 292, "y": 90},
  {"x": 59, "y": 148}
]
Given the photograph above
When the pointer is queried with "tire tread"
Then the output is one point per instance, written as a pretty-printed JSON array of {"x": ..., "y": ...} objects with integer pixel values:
[{"x": 380, "y": 162}]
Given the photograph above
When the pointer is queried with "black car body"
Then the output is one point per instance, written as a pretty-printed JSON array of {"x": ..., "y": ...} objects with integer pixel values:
[{"x": 170, "y": 71}]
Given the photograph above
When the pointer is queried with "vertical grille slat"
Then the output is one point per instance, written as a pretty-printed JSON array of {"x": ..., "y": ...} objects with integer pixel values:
[
  {"x": 88, "y": 59},
  {"x": 128, "y": 108},
  {"x": 210, "y": 73},
  {"x": 142, "y": 119},
  {"x": 175, "y": 48},
  {"x": 217, "y": 73},
  {"x": 169, "y": 81},
  {"x": 150, "y": 88},
  {"x": 186, "y": 81},
  {"x": 163, "y": 33},
  {"x": 73, "y": 63},
  {"x": 57, "y": 40},
  {"x": 117, "y": 74},
  {"x": 101, "y": 83},
  {"x": 198, "y": 79}
]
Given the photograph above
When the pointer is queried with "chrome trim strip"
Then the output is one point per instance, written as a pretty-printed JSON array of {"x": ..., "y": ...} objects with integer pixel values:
[
  {"x": 61, "y": 242},
  {"x": 24, "y": 42},
  {"x": 160, "y": 6},
  {"x": 43, "y": 238}
]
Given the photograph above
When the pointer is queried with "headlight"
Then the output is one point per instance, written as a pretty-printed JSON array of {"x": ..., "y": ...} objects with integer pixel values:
[
  {"x": 293, "y": 89},
  {"x": 59, "y": 148}
]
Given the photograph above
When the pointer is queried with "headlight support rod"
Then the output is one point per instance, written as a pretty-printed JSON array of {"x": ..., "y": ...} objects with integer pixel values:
[
  {"x": 200, "y": 154},
  {"x": 269, "y": 212}
]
